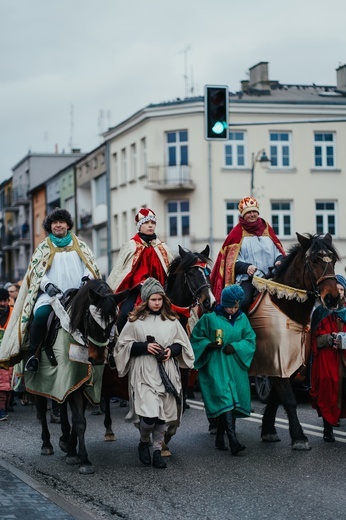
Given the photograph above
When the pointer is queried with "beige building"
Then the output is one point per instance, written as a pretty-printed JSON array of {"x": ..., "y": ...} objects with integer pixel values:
[{"x": 160, "y": 158}]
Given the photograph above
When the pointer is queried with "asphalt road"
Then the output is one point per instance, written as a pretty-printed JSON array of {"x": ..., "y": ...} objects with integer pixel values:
[{"x": 200, "y": 482}]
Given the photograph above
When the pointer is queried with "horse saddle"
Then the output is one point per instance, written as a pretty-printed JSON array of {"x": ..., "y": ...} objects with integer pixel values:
[{"x": 53, "y": 326}]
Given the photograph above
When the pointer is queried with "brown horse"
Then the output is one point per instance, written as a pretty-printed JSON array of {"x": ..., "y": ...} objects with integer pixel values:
[{"x": 281, "y": 321}]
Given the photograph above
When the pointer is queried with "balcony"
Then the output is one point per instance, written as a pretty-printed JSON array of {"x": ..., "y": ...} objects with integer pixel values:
[
  {"x": 18, "y": 236},
  {"x": 165, "y": 178},
  {"x": 20, "y": 196}
]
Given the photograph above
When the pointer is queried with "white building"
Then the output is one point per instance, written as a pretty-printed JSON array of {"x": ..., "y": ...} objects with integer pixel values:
[{"x": 159, "y": 158}]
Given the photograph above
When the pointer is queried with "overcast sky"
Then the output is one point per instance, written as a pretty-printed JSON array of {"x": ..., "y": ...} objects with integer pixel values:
[{"x": 63, "y": 62}]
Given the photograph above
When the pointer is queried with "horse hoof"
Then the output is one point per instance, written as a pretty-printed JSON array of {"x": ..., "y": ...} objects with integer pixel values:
[
  {"x": 301, "y": 446},
  {"x": 63, "y": 446},
  {"x": 72, "y": 460},
  {"x": 110, "y": 437},
  {"x": 86, "y": 470},
  {"x": 271, "y": 437},
  {"x": 47, "y": 451}
]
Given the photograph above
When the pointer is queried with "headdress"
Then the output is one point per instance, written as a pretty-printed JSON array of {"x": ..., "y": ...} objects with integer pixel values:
[
  {"x": 151, "y": 286},
  {"x": 144, "y": 215},
  {"x": 232, "y": 295},
  {"x": 248, "y": 204},
  {"x": 57, "y": 214}
]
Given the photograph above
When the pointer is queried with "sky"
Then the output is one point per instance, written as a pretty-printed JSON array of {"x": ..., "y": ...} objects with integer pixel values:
[{"x": 70, "y": 69}]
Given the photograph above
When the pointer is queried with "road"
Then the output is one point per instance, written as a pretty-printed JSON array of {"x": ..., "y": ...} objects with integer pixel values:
[{"x": 200, "y": 482}]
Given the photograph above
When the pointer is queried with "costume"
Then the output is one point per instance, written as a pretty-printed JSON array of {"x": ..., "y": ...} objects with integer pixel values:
[
  {"x": 246, "y": 243},
  {"x": 150, "y": 399},
  {"x": 328, "y": 390},
  {"x": 224, "y": 378},
  {"x": 76, "y": 254},
  {"x": 5, "y": 375}
]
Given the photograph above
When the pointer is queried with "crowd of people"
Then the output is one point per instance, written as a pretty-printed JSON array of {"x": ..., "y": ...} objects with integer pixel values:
[{"x": 152, "y": 347}]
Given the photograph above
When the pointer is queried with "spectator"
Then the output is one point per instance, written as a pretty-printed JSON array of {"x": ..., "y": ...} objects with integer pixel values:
[
  {"x": 5, "y": 375},
  {"x": 13, "y": 290}
]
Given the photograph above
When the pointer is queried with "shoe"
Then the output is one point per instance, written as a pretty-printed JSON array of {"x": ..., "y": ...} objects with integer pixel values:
[
  {"x": 3, "y": 415},
  {"x": 328, "y": 436},
  {"x": 55, "y": 419},
  {"x": 123, "y": 403},
  {"x": 158, "y": 461},
  {"x": 32, "y": 364},
  {"x": 144, "y": 453}
]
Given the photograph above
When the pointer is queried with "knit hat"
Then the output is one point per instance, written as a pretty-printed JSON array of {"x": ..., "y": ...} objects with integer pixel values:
[
  {"x": 151, "y": 286},
  {"x": 341, "y": 280},
  {"x": 57, "y": 214},
  {"x": 232, "y": 295},
  {"x": 144, "y": 215},
  {"x": 248, "y": 204},
  {"x": 4, "y": 294}
]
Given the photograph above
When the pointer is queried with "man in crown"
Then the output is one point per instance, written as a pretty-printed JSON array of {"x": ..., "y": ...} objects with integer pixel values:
[
  {"x": 144, "y": 256},
  {"x": 250, "y": 246}
]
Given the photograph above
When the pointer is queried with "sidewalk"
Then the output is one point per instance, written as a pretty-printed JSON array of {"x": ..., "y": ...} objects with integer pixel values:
[{"x": 23, "y": 497}]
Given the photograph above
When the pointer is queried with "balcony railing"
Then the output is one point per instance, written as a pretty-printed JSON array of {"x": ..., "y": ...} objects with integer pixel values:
[
  {"x": 20, "y": 195},
  {"x": 166, "y": 178}
]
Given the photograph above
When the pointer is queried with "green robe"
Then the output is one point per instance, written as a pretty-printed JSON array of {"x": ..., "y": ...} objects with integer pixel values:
[{"x": 223, "y": 379}]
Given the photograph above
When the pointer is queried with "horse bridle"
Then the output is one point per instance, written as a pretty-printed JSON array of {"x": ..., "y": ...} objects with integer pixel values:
[
  {"x": 194, "y": 294},
  {"x": 317, "y": 281},
  {"x": 87, "y": 338}
]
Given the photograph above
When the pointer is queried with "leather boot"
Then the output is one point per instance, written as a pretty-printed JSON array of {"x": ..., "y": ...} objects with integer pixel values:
[
  {"x": 158, "y": 461},
  {"x": 144, "y": 453},
  {"x": 228, "y": 423},
  {"x": 328, "y": 435},
  {"x": 220, "y": 438}
]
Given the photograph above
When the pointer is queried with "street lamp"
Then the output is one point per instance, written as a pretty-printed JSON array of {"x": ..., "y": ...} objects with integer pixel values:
[{"x": 263, "y": 159}]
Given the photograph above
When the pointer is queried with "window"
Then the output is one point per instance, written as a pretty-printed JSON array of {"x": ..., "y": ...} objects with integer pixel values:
[
  {"x": 178, "y": 218},
  {"x": 133, "y": 166},
  {"x": 177, "y": 148},
  {"x": 235, "y": 150},
  {"x": 115, "y": 169},
  {"x": 324, "y": 150},
  {"x": 232, "y": 215},
  {"x": 124, "y": 225},
  {"x": 101, "y": 241},
  {"x": 100, "y": 186},
  {"x": 116, "y": 232},
  {"x": 280, "y": 149},
  {"x": 326, "y": 217},
  {"x": 143, "y": 157},
  {"x": 123, "y": 166},
  {"x": 281, "y": 214}
]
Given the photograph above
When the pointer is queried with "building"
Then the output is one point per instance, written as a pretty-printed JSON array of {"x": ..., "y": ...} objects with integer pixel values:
[{"x": 159, "y": 158}]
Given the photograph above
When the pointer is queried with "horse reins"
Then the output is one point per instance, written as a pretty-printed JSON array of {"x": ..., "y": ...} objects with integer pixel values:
[
  {"x": 88, "y": 338},
  {"x": 194, "y": 294}
]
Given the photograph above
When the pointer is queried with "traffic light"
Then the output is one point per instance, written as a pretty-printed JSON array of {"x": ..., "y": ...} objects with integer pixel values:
[{"x": 216, "y": 112}]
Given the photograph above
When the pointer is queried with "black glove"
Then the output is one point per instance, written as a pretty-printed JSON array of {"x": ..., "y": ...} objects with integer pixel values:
[
  {"x": 213, "y": 346},
  {"x": 228, "y": 349},
  {"x": 52, "y": 290},
  {"x": 84, "y": 280}
]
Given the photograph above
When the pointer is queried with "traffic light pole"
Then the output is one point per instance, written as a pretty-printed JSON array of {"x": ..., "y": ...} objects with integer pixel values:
[{"x": 210, "y": 180}]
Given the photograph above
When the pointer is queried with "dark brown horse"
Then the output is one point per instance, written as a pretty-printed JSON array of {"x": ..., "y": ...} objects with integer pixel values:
[
  {"x": 187, "y": 286},
  {"x": 93, "y": 312},
  {"x": 305, "y": 274}
]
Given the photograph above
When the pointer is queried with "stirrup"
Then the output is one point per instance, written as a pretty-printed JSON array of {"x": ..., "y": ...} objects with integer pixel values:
[{"x": 32, "y": 364}]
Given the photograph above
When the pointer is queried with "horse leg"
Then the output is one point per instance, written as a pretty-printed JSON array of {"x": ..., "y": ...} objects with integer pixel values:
[
  {"x": 109, "y": 434},
  {"x": 284, "y": 388},
  {"x": 41, "y": 408},
  {"x": 78, "y": 405},
  {"x": 268, "y": 431},
  {"x": 65, "y": 428}
]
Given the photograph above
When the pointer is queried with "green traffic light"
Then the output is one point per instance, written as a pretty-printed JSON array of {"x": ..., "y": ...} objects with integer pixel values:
[{"x": 219, "y": 127}]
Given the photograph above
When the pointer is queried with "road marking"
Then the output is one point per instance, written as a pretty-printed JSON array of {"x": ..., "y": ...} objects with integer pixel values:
[{"x": 279, "y": 423}]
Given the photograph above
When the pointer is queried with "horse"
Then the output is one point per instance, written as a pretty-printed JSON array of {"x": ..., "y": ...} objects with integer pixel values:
[
  {"x": 187, "y": 286},
  {"x": 281, "y": 322},
  {"x": 76, "y": 375}
]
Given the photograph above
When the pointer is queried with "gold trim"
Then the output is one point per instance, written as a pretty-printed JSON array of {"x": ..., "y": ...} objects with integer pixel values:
[{"x": 279, "y": 290}]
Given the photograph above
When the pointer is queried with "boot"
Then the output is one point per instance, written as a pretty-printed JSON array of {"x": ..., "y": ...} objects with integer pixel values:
[
  {"x": 158, "y": 461},
  {"x": 328, "y": 435},
  {"x": 144, "y": 453},
  {"x": 32, "y": 364},
  {"x": 234, "y": 444},
  {"x": 220, "y": 432}
]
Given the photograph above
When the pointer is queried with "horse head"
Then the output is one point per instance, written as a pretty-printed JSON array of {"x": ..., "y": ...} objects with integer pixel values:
[
  {"x": 320, "y": 257},
  {"x": 94, "y": 312},
  {"x": 188, "y": 283}
]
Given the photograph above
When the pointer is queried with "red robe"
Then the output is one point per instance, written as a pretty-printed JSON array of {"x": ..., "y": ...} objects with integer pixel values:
[
  {"x": 223, "y": 272},
  {"x": 328, "y": 365}
]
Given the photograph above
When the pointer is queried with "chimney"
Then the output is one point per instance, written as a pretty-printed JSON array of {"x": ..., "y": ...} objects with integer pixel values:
[
  {"x": 341, "y": 79},
  {"x": 259, "y": 78}
]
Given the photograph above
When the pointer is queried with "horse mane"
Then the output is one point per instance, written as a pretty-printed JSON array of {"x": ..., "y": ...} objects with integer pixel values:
[
  {"x": 317, "y": 243},
  {"x": 180, "y": 265},
  {"x": 94, "y": 292}
]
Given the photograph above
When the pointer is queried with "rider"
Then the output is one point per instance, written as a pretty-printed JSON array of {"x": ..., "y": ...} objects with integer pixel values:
[
  {"x": 59, "y": 262},
  {"x": 144, "y": 256},
  {"x": 250, "y": 246}
]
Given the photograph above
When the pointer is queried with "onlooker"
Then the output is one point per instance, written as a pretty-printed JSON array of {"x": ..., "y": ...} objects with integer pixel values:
[
  {"x": 224, "y": 344},
  {"x": 149, "y": 348},
  {"x": 60, "y": 262},
  {"x": 328, "y": 371},
  {"x": 142, "y": 257},
  {"x": 5, "y": 375},
  {"x": 13, "y": 290},
  {"x": 250, "y": 246}
]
